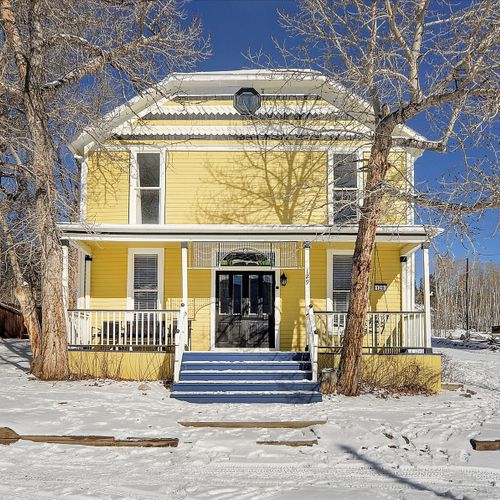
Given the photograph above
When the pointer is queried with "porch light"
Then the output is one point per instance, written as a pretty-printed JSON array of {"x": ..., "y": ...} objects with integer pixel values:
[{"x": 283, "y": 279}]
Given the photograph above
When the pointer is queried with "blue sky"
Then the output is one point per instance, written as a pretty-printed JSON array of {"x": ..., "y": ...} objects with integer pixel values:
[{"x": 239, "y": 25}]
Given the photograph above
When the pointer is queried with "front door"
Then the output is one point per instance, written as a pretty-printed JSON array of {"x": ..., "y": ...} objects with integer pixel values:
[{"x": 244, "y": 311}]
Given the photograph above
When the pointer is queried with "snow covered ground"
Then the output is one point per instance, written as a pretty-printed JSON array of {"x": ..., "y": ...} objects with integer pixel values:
[{"x": 371, "y": 447}]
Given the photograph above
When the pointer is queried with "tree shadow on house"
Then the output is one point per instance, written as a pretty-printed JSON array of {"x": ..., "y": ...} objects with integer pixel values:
[
  {"x": 16, "y": 353},
  {"x": 265, "y": 186},
  {"x": 391, "y": 474}
]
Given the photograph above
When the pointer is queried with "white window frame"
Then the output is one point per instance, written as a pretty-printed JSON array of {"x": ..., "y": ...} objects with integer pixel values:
[
  {"x": 329, "y": 274},
  {"x": 134, "y": 176},
  {"x": 358, "y": 154},
  {"x": 132, "y": 252}
]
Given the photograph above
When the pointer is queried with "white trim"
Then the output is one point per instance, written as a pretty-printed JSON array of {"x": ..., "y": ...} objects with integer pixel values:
[
  {"x": 132, "y": 204},
  {"x": 84, "y": 173},
  {"x": 427, "y": 296},
  {"x": 329, "y": 274},
  {"x": 130, "y": 274},
  {"x": 277, "y": 307},
  {"x": 80, "y": 299},
  {"x": 243, "y": 147},
  {"x": 88, "y": 270}
]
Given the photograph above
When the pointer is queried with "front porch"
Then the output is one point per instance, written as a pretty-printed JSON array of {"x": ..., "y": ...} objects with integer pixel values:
[{"x": 222, "y": 292}]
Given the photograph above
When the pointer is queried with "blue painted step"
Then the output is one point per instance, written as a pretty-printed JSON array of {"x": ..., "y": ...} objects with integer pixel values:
[
  {"x": 249, "y": 386},
  {"x": 245, "y": 365},
  {"x": 244, "y": 375},
  {"x": 235, "y": 397}
]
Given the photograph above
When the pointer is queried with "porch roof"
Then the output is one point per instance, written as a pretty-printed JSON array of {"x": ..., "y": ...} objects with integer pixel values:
[{"x": 240, "y": 232}]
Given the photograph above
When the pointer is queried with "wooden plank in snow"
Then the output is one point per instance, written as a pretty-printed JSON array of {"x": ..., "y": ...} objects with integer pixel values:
[
  {"x": 9, "y": 436},
  {"x": 303, "y": 442},
  {"x": 250, "y": 424},
  {"x": 485, "y": 445}
]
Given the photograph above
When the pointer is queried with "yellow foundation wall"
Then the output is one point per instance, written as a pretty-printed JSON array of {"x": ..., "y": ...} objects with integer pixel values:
[
  {"x": 121, "y": 365},
  {"x": 401, "y": 371},
  {"x": 108, "y": 187},
  {"x": 109, "y": 287}
]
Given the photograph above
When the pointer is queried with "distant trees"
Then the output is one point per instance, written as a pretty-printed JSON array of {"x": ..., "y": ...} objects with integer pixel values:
[{"x": 449, "y": 300}]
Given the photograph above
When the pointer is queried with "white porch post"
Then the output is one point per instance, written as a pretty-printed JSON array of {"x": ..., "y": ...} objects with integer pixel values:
[
  {"x": 88, "y": 269},
  {"x": 427, "y": 296},
  {"x": 307, "y": 275},
  {"x": 65, "y": 284},
  {"x": 184, "y": 259},
  {"x": 182, "y": 322}
]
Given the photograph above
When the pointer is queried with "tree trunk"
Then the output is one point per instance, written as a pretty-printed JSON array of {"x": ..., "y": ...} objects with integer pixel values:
[
  {"x": 24, "y": 294},
  {"x": 350, "y": 360},
  {"x": 52, "y": 362}
]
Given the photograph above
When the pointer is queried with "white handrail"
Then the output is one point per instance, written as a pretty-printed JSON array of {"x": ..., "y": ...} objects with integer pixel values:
[{"x": 312, "y": 341}]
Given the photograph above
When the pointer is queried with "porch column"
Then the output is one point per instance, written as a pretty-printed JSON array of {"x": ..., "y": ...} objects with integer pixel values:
[
  {"x": 427, "y": 297},
  {"x": 65, "y": 285},
  {"x": 184, "y": 260},
  {"x": 88, "y": 269},
  {"x": 65, "y": 273},
  {"x": 307, "y": 275}
]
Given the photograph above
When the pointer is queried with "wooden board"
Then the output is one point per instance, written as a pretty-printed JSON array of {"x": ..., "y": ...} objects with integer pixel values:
[
  {"x": 451, "y": 387},
  {"x": 287, "y": 424},
  {"x": 8, "y": 436},
  {"x": 304, "y": 442},
  {"x": 485, "y": 445}
]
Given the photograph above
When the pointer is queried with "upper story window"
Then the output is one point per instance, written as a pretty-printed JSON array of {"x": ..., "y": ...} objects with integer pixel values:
[
  {"x": 247, "y": 101},
  {"x": 344, "y": 188},
  {"x": 147, "y": 196}
]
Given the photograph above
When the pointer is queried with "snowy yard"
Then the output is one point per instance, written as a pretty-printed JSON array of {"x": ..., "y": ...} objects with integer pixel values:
[{"x": 371, "y": 447}]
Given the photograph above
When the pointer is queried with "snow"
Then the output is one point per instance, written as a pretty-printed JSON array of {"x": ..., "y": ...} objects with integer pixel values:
[{"x": 371, "y": 447}]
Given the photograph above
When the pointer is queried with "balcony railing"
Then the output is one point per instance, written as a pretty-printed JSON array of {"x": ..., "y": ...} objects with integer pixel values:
[
  {"x": 123, "y": 329},
  {"x": 388, "y": 331}
]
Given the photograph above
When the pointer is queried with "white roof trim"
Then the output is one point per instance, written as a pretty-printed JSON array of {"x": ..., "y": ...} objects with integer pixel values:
[
  {"x": 236, "y": 232},
  {"x": 238, "y": 130},
  {"x": 279, "y": 82}
]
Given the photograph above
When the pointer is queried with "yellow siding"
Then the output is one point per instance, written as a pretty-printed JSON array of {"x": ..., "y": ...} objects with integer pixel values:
[
  {"x": 108, "y": 187},
  {"x": 246, "y": 187},
  {"x": 108, "y": 277},
  {"x": 394, "y": 211}
]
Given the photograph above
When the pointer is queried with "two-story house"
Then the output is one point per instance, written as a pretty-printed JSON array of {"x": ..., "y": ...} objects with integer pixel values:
[{"x": 218, "y": 221}]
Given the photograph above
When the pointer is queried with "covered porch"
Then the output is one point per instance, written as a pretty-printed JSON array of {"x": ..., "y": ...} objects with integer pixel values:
[{"x": 206, "y": 275}]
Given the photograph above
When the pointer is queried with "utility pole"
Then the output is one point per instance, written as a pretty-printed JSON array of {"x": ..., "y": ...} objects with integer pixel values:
[{"x": 467, "y": 329}]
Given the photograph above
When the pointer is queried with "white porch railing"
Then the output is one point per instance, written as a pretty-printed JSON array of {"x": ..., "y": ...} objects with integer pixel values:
[
  {"x": 312, "y": 341},
  {"x": 123, "y": 329},
  {"x": 391, "y": 330}
]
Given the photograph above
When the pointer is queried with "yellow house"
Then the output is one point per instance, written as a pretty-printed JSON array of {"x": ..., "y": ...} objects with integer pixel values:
[{"x": 215, "y": 241}]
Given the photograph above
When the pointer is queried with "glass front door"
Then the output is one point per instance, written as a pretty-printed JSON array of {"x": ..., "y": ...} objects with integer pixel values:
[{"x": 244, "y": 315}]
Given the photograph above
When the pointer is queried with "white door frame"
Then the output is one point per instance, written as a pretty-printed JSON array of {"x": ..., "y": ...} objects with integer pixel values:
[{"x": 277, "y": 308}]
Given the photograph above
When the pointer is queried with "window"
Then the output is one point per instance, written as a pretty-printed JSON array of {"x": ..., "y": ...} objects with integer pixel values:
[
  {"x": 148, "y": 196},
  {"x": 345, "y": 188},
  {"x": 342, "y": 270},
  {"x": 145, "y": 284},
  {"x": 247, "y": 101}
]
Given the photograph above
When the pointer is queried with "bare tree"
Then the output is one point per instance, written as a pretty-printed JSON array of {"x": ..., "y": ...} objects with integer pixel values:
[
  {"x": 61, "y": 69},
  {"x": 405, "y": 59}
]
